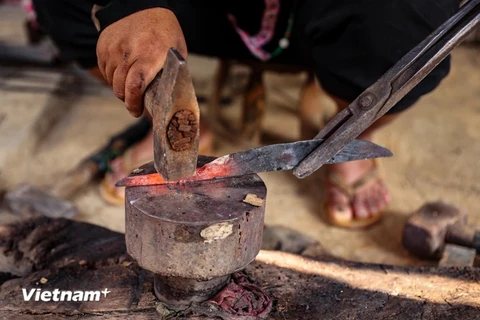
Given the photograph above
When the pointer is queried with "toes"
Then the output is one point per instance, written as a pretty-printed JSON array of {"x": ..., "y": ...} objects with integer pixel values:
[
  {"x": 373, "y": 205},
  {"x": 116, "y": 167},
  {"x": 338, "y": 207},
  {"x": 383, "y": 195},
  {"x": 378, "y": 202},
  {"x": 115, "y": 164},
  {"x": 371, "y": 201},
  {"x": 340, "y": 213},
  {"x": 360, "y": 206},
  {"x": 386, "y": 196}
]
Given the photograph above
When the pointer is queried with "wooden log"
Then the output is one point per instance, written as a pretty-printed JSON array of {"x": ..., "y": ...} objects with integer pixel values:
[{"x": 66, "y": 255}]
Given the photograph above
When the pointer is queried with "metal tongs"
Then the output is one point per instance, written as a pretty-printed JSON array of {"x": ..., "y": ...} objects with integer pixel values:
[{"x": 390, "y": 88}]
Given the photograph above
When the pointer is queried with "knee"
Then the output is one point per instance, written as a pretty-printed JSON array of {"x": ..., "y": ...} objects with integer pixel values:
[
  {"x": 47, "y": 12},
  {"x": 69, "y": 24},
  {"x": 427, "y": 85},
  {"x": 59, "y": 18}
]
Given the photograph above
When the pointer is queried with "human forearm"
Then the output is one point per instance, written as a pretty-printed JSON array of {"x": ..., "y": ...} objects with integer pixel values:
[{"x": 114, "y": 10}]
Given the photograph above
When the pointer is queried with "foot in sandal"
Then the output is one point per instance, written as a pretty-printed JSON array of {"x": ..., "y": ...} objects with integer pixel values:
[
  {"x": 137, "y": 155},
  {"x": 356, "y": 196}
]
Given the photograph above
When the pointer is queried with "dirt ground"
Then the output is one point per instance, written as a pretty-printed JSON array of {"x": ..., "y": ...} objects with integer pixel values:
[{"x": 436, "y": 148}]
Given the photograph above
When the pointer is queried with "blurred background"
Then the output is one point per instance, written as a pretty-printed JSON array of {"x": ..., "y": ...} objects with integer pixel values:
[{"x": 53, "y": 115}]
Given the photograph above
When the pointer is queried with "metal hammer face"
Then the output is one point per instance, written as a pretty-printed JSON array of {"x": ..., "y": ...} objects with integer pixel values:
[{"x": 426, "y": 230}]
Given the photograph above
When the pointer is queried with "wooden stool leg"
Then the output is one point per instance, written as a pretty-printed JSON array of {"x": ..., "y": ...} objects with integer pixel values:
[
  {"x": 219, "y": 81},
  {"x": 314, "y": 109},
  {"x": 213, "y": 112},
  {"x": 253, "y": 107}
]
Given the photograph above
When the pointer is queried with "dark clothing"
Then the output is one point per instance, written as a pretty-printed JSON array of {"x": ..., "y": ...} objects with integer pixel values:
[{"x": 349, "y": 43}]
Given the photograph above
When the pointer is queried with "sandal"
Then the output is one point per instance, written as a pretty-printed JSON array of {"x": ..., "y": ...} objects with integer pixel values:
[
  {"x": 350, "y": 191},
  {"x": 108, "y": 191}
]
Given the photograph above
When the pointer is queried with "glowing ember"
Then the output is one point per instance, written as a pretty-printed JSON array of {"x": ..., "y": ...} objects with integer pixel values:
[{"x": 209, "y": 171}]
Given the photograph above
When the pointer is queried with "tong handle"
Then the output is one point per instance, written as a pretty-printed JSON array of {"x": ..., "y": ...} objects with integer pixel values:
[{"x": 391, "y": 87}]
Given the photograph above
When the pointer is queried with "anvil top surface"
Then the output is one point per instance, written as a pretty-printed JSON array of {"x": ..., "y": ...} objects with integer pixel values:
[{"x": 207, "y": 201}]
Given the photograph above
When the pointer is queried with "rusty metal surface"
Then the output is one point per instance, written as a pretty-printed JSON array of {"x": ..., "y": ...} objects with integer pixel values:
[
  {"x": 379, "y": 98},
  {"x": 433, "y": 225},
  {"x": 183, "y": 291},
  {"x": 198, "y": 230},
  {"x": 457, "y": 256},
  {"x": 175, "y": 154},
  {"x": 263, "y": 159}
]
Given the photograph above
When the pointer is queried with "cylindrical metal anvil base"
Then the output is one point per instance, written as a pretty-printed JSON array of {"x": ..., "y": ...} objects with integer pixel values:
[
  {"x": 192, "y": 236},
  {"x": 183, "y": 291}
]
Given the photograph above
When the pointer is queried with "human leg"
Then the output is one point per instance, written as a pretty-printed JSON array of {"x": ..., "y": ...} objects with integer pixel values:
[{"x": 353, "y": 44}]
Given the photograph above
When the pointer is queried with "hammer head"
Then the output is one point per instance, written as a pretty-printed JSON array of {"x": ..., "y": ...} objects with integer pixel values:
[
  {"x": 172, "y": 102},
  {"x": 425, "y": 231}
]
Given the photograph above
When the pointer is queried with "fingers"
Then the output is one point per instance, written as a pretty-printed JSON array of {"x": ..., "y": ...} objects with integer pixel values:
[
  {"x": 118, "y": 83},
  {"x": 115, "y": 65},
  {"x": 139, "y": 76},
  {"x": 134, "y": 88},
  {"x": 109, "y": 70},
  {"x": 110, "y": 59},
  {"x": 131, "y": 52},
  {"x": 101, "y": 61},
  {"x": 119, "y": 77},
  {"x": 129, "y": 79}
]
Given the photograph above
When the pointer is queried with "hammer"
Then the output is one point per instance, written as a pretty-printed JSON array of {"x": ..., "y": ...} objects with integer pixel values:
[{"x": 433, "y": 226}]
